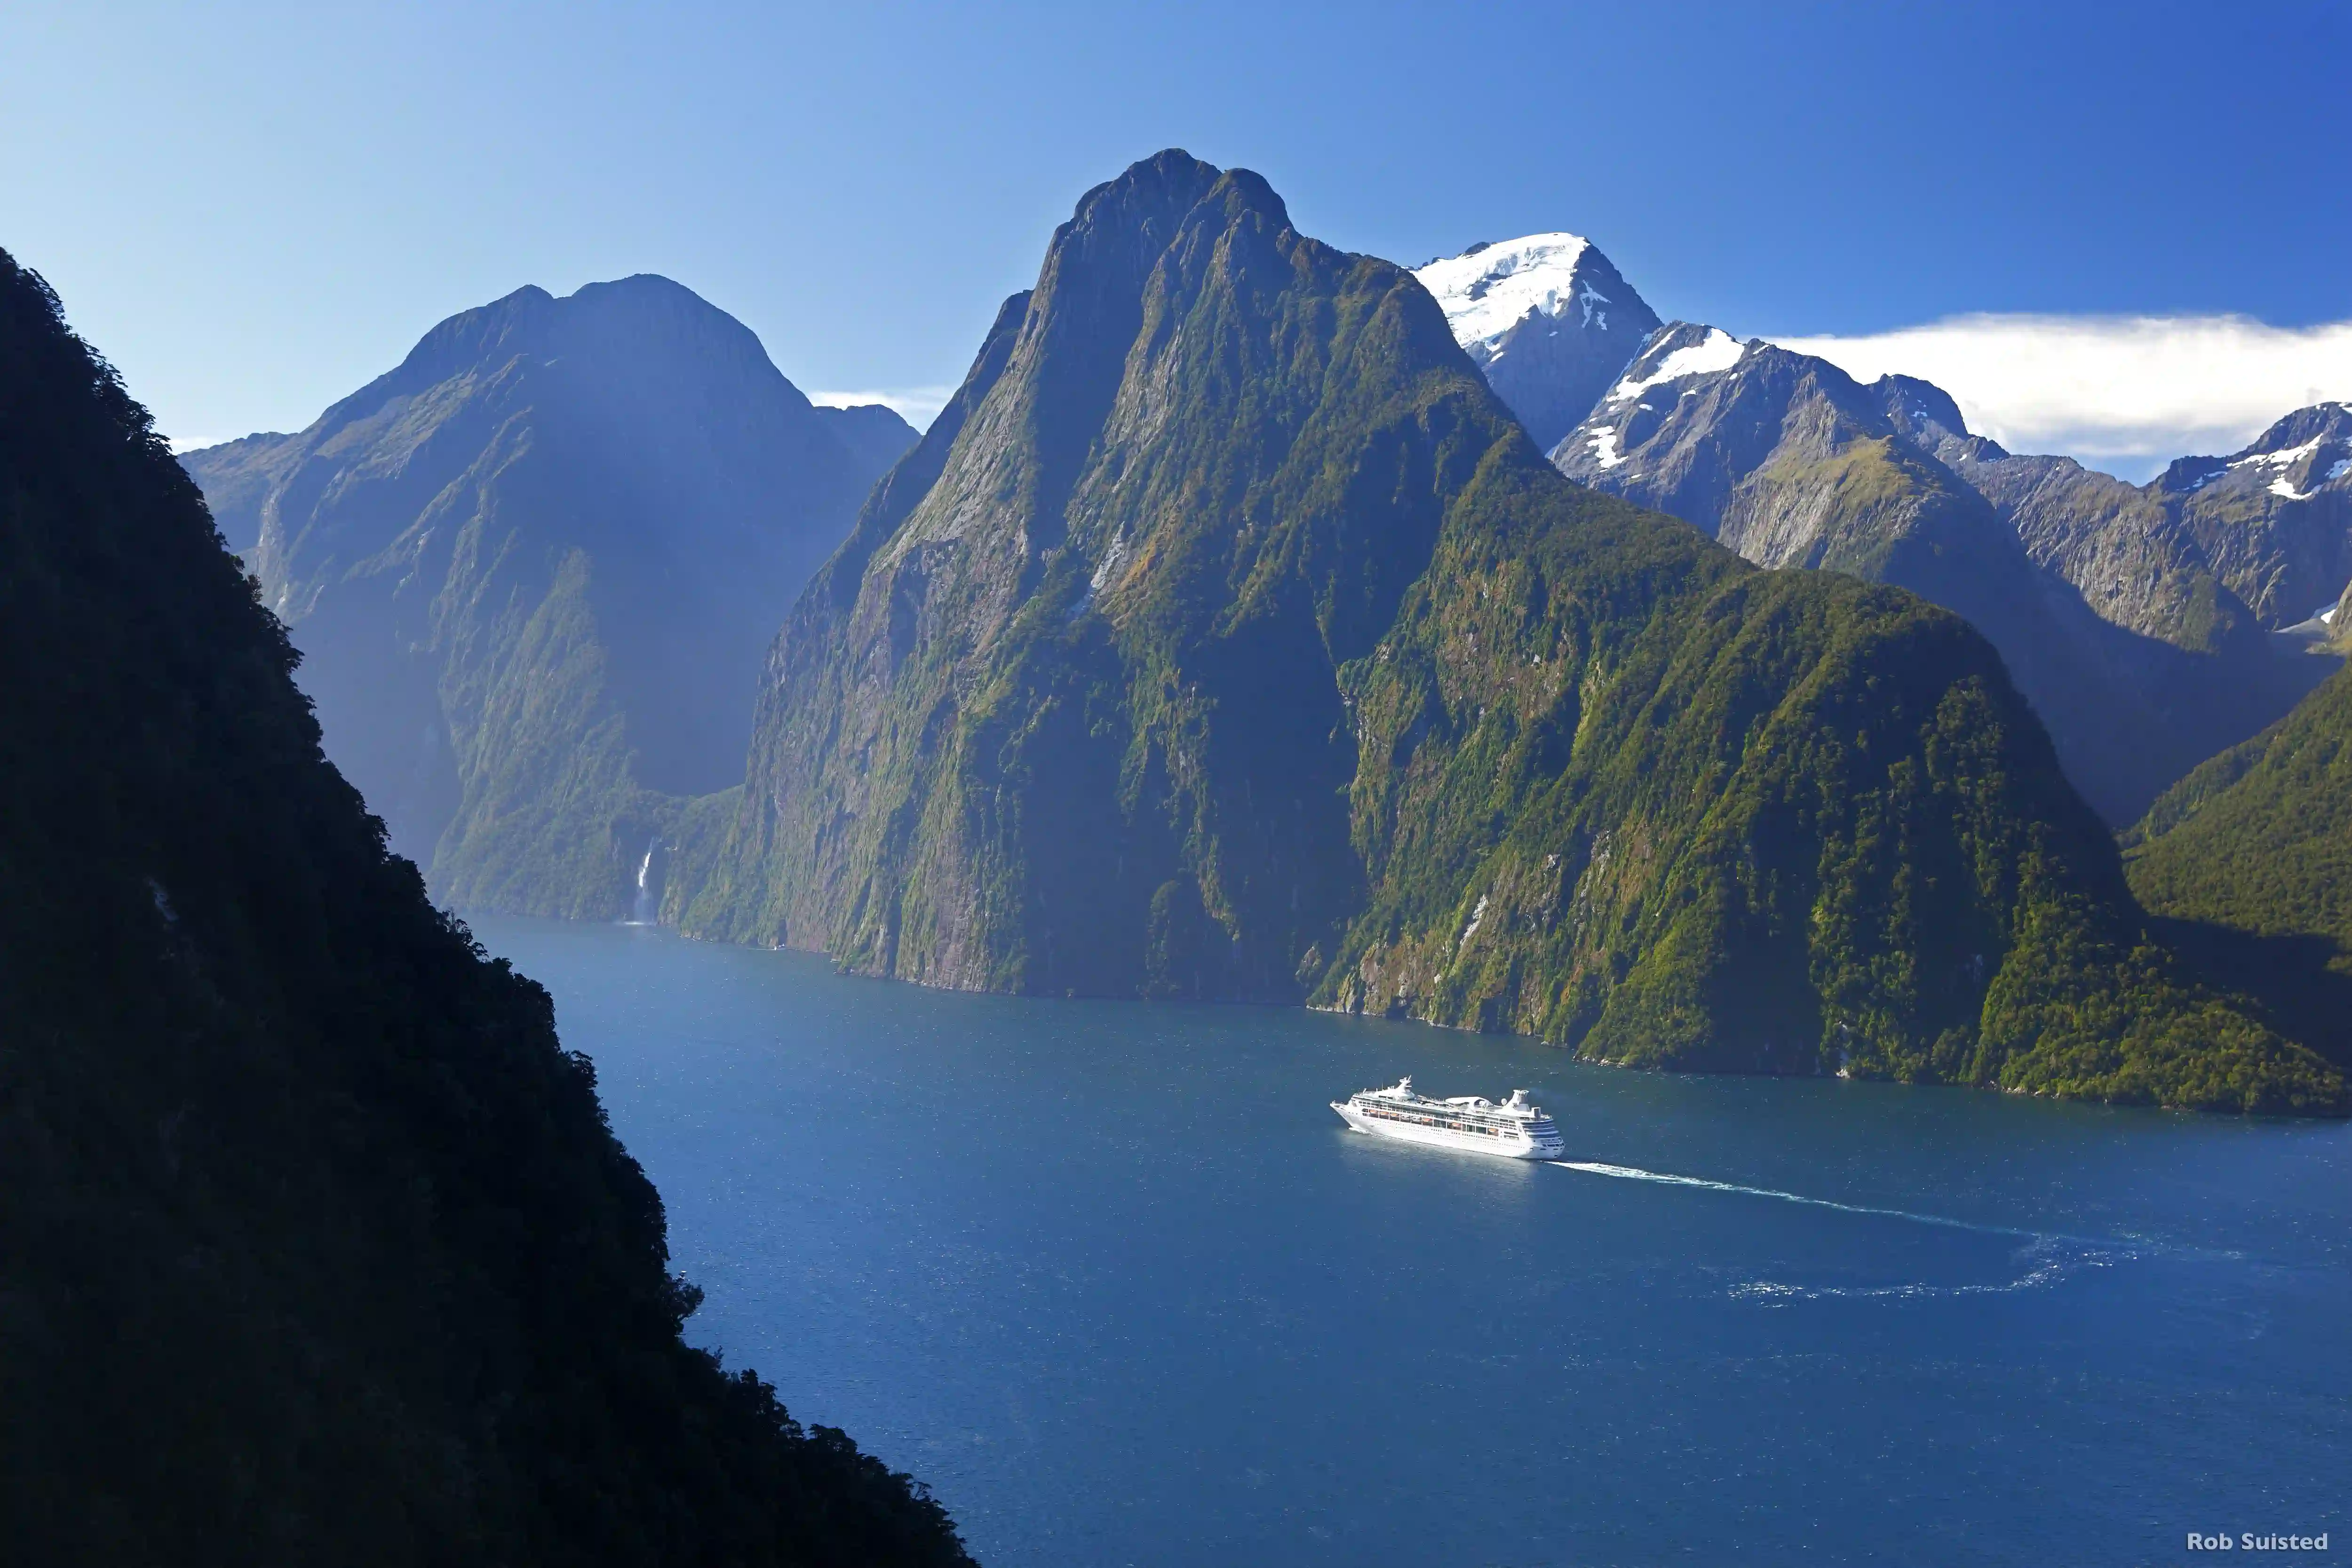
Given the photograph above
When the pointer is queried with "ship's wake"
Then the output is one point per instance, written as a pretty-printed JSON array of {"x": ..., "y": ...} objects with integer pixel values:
[
  {"x": 2044, "y": 1262},
  {"x": 2044, "y": 1258},
  {"x": 1628, "y": 1172}
]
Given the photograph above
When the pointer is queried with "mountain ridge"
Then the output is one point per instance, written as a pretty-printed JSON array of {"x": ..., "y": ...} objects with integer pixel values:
[{"x": 1791, "y": 462}]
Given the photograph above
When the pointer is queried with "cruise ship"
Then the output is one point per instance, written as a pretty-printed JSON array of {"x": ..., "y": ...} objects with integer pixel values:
[{"x": 1515, "y": 1129}]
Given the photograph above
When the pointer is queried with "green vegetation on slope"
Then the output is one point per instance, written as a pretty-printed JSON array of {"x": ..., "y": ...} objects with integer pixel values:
[
  {"x": 2260, "y": 839},
  {"x": 1226, "y": 637},
  {"x": 316, "y": 1248}
]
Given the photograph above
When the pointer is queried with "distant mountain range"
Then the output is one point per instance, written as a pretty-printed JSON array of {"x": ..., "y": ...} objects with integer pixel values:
[
  {"x": 533, "y": 571},
  {"x": 1227, "y": 637},
  {"x": 1790, "y": 461}
]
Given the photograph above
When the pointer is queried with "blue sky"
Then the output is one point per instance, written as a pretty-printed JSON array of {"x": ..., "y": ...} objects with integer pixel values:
[{"x": 253, "y": 209}]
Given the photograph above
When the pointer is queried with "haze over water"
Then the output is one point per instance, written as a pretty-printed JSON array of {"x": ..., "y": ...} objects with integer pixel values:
[{"x": 1117, "y": 1283}]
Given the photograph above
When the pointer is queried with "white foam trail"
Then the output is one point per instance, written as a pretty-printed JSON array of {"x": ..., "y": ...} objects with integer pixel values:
[
  {"x": 2056, "y": 1256},
  {"x": 1628, "y": 1172}
]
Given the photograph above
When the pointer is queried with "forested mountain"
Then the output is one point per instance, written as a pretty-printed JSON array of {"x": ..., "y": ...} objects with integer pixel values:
[
  {"x": 2248, "y": 861},
  {"x": 1228, "y": 637},
  {"x": 316, "y": 1246},
  {"x": 2139, "y": 658},
  {"x": 1550, "y": 320},
  {"x": 2260, "y": 839},
  {"x": 533, "y": 570}
]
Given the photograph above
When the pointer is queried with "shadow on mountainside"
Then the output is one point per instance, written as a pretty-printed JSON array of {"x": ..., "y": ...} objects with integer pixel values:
[{"x": 2301, "y": 985}]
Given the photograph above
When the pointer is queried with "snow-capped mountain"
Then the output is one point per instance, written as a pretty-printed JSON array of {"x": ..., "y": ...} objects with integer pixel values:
[
  {"x": 2275, "y": 519},
  {"x": 1547, "y": 318}
]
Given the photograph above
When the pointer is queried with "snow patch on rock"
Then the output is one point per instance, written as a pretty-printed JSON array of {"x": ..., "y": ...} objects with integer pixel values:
[
  {"x": 1717, "y": 350},
  {"x": 1492, "y": 289}
]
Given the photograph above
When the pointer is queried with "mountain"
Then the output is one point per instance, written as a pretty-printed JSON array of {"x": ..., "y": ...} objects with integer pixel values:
[
  {"x": 2248, "y": 864},
  {"x": 237, "y": 477},
  {"x": 872, "y": 433},
  {"x": 1227, "y": 638},
  {"x": 1550, "y": 320},
  {"x": 316, "y": 1247},
  {"x": 1790, "y": 461},
  {"x": 2260, "y": 839},
  {"x": 533, "y": 570},
  {"x": 2116, "y": 543},
  {"x": 2275, "y": 519}
]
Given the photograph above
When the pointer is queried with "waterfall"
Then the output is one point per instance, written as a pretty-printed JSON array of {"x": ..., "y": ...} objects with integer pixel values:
[{"x": 649, "y": 900}]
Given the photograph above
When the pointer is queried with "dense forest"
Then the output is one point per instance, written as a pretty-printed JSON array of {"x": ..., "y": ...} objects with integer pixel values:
[
  {"x": 315, "y": 1247},
  {"x": 2248, "y": 864}
]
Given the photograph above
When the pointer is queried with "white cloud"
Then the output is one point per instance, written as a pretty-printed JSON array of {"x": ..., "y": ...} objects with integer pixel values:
[
  {"x": 2123, "y": 393},
  {"x": 918, "y": 405}
]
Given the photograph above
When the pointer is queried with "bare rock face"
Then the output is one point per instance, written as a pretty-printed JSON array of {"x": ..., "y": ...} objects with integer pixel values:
[
  {"x": 2274, "y": 519},
  {"x": 533, "y": 572}
]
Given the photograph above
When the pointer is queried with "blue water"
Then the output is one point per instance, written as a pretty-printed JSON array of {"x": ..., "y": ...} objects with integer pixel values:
[{"x": 1114, "y": 1282}]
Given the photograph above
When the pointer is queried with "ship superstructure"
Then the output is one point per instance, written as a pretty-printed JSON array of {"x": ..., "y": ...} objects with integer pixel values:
[{"x": 1514, "y": 1130}]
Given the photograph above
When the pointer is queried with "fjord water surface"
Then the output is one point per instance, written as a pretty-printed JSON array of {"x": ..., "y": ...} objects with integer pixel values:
[{"x": 1118, "y": 1284}]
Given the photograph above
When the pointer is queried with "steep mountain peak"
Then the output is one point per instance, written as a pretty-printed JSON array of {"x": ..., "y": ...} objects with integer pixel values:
[
  {"x": 1138, "y": 212},
  {"x": 1547, "y": 317},
  {"x": 1924, "y": 411},
  {"x": 1492, "y": 287},
  {"x": 647, "y": 319},
  {"x": 1683, "y": 350},
  {"x": 2274, "y": 518},
  {"x": 2291, "y": 441},
  {"x": 534, "y": 568}
]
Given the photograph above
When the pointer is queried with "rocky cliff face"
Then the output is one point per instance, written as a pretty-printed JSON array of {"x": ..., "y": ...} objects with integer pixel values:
[
  {"x": 1550, "y": 320},
  {"x": 533, "y": 570},
  {"x": 2117, "y": 544},
  {"x": 1787, "y": 460},
  {"x": 2274, "y": 520},
  {"x": 1227, "y": 638},
  {"x": 316, "y": 1248}
]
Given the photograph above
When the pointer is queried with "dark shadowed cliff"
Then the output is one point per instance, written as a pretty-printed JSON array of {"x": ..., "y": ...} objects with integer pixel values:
[{"x": 315, "y": 1247}]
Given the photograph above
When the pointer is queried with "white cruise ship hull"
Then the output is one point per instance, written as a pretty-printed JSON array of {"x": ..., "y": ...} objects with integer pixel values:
[{"x": 1447, "y": 1138}]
